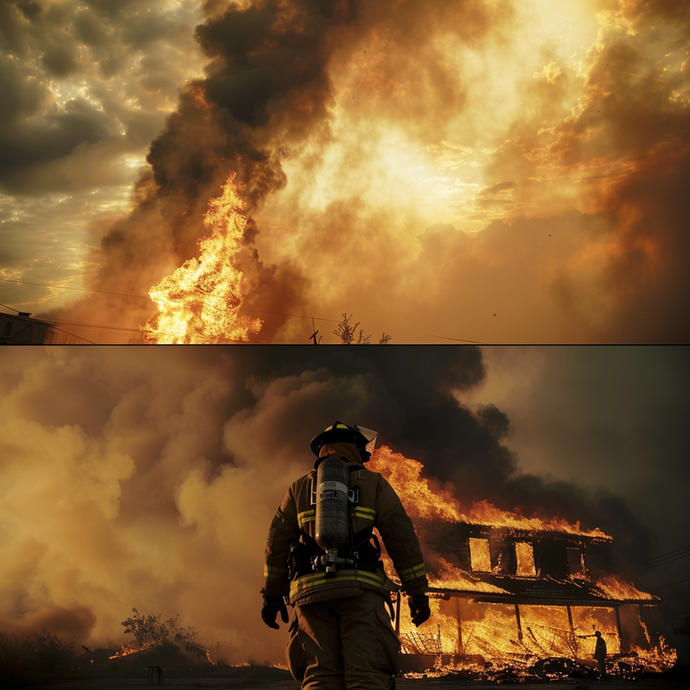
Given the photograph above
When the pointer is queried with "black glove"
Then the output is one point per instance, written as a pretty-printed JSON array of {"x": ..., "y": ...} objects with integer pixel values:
[
  {"x": 269, "y": 611},
  {"x": 419, "y": 609}
]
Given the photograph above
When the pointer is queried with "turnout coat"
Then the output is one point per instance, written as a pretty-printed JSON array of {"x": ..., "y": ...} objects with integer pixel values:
[{"x": 378, "y": 507}]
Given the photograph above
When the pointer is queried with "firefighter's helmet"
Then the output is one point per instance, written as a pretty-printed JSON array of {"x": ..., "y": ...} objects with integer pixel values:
[{"x": 363, "y": 438}]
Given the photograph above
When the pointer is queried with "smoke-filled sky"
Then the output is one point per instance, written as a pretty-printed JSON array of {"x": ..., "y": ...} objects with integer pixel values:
[
  {"x": 147, "y": 478},
  {"x": 488, "y": 170}
]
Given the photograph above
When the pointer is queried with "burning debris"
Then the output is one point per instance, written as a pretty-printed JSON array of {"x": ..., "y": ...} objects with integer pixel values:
[{"x": 518, "y": 596}]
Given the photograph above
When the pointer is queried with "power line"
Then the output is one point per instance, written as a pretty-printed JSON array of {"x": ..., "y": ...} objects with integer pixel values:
[
  {"x": 91, "y": 342},
  {"x": 457, "y": 340},
  {"x": 684, "y": 551},
  {"x": 18, "y": 333},
  {"x": 117, "y": 328},
  {"x": 253, "y": 311},
  {"x": 8, "y": 307},
  {"x": 123, "y": 294},
  {"x": 69, "y": 287},
  {"x": 137, "y": 330},
  {"x": 93, "y": 325},
  {"x": 54, "y": 328},
  {"x": 666, "y": 558},
  {"x": 52, "y": 321},
  {"x": 670, "y": 584},
  {"x": 114, "y": 328}
]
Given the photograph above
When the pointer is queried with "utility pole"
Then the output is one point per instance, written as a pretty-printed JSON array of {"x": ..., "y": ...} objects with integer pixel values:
[{"x": 313, "y": 335}]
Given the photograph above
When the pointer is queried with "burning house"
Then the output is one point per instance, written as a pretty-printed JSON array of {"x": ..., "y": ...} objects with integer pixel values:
[{"x": 516, "y": 593}]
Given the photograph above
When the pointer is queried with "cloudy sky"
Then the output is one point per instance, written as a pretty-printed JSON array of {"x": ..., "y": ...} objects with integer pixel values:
[
  {"x": 147, "y": 478},
  {"x": 487, "y": 170}
]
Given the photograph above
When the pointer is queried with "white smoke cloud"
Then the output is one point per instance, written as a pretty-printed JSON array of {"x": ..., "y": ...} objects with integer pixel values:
[{"x": 135, "y": 478}]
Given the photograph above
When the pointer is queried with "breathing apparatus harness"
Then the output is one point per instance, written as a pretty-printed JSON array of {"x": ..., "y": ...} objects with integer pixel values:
[
  {"x": 361, "y": 550},
  {"x": 334, "y": 544}
]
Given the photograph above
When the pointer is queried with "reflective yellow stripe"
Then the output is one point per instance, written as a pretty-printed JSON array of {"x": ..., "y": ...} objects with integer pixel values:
[
  {"x": 358, "y": 512},
  {"x": 275, "y": 572},
  {"x": 305, "y": 517},
  {"x": 308, "y": 583},
  {"x": 364, "y": 513},
  {"x": 413, "y": 572}
]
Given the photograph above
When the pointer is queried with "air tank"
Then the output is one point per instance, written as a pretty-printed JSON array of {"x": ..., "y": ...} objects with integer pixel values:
[{"x": 332, "y": 529}]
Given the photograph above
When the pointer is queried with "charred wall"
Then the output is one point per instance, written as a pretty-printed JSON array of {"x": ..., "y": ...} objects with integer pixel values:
[{"x": 557, "y": 555}]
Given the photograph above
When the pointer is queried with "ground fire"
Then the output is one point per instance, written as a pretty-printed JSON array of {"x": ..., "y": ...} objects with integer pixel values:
[{"x": 515, "y": 596}]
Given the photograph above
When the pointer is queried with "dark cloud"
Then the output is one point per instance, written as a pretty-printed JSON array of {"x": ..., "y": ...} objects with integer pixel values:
[
  {"x": 60, "y": 133},
  {"x": 29, "y": 8},
  {"x": 57, "y": 66}
]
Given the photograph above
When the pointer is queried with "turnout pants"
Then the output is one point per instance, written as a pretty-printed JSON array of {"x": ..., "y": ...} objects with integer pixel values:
[{"x": 343, "y": 644}]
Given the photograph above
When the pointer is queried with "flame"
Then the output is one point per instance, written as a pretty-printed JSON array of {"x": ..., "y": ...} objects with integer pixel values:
[
  {"x": 495, "y": 641},
  {"x": 614, "y": 587},
  {"x": 200, "y": 301},
  {"x": 126, "y": 650},
  {"x": 524, "y": 554},
  {"x": 486, "y": 640},
  {"x": 404, "y": 475},
  {"x": 480, "y": 555},
  {"x": 656, "y": 659},
  {"x": 450, "y": 577},
  {"x": 419, "y": 500}
]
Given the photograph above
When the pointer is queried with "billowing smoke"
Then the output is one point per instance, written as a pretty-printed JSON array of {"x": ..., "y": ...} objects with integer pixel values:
[
  {"x": 143, "y": 478},
  {"x": 623, "y": 151},
  {"x": 270, "y": 97},
  {"x": 266, "y": 90},
  {"x": 481, "y": 169}
]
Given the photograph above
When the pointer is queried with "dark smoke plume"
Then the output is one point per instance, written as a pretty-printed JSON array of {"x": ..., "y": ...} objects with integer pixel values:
[
  {"x": 458, "y": 445},
  {"x": 266, "y": 90},
  {"x": 266, "y": 95}
]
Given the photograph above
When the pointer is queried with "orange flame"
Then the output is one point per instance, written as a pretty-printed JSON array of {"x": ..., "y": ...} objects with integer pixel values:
[
  {"x": 488, "y": 639},
  {"x": 613, "y": 587},
  {"x": 420, "y": 501},
  {"x": 126, "y": 650},
  {"x": 657, "y": 659},
  {"x": 200, "y": 301},
  {"x": 465, "y": 632},
  {"x": 450, "y": 577}
]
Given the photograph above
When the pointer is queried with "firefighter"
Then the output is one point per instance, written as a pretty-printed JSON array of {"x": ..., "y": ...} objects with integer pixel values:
[{"x": 341, "y": 635}]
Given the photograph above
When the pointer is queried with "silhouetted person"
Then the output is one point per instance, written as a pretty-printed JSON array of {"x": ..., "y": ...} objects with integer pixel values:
[{"x": 600, "y": 653}]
